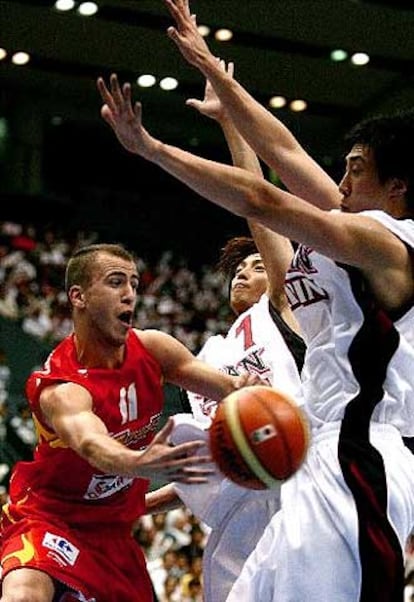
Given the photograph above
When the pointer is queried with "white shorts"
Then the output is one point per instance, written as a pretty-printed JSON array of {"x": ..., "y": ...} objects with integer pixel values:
[
  {"x": 236, "y": 516},
  {"x": 310, "y": 550}
]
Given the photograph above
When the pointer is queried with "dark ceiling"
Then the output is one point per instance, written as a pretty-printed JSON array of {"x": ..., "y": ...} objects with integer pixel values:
[{"x": 279, "y": 47}]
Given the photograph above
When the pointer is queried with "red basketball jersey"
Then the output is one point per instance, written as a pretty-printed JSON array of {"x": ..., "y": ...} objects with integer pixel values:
[{"x": 129, "y": 401}]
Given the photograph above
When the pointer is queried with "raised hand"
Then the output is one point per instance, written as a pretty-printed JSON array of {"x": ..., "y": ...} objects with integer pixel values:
[
  {"x": 211, "y": 106},
  {"x": 124, "y": 117},
  {"x": 186, "y": 35}
]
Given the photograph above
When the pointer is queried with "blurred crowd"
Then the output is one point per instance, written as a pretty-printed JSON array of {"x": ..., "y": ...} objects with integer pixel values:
[
  {"x": 173, "y": 543},
  {"x": 189, "y": 304}
]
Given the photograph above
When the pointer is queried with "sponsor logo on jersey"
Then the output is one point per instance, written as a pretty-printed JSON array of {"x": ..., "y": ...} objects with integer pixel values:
[
  {"x": 102, "y": 486},
  {"x": 131, "y": 438},
  {"x": 301, "y": 289},
  {"x": 65, "y": 551},
  {"x": 252, "y": 363}
]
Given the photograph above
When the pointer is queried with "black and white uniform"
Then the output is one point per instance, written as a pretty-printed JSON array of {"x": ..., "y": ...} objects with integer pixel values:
[
  {"x": 258, "y": 342},
  {"x": 347, "y": 512}
]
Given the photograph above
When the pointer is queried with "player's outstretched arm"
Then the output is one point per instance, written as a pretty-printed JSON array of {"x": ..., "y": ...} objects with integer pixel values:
[
  {"x": 342, "y": 236},
  {"x": 162, "y": 499},
  {"x": 67, "y": 409},
  {"x": 275, "y": 250},
  {"x": 125, "y": 117},
  {"x": 266, "y": 134}
]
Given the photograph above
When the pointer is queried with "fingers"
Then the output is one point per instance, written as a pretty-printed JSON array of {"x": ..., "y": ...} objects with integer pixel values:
[
  {"x": 116, "y": 91},
  {"x": 186, "y": 5},
  {"x": 108, "y": 107},
  {"x": 189, "y": 451},
  {"x": 191, "y": 479},
  {"x": 106, "y": 114},
  {"x": 173, "y": 34},
  {"x": 138, "y": 110},
  {"x": 165, "y": 432},
  {"x": 102, "y": 89},
  {"x": 180, "y": 11},
  {"x": 194, "y": 103},
  {"x": 173, "y": 9},
  {"x": 126, "y": 93},
  {"x": 191, "y": 474},
  {"x": 116, "y": 98}
]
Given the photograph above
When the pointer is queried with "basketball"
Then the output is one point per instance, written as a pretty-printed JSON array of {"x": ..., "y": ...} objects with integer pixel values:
[{"x": 258, "y": 437}]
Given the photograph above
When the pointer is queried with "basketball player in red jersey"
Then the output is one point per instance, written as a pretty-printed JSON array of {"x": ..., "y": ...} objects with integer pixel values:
[{"x": 97, "y": 402}]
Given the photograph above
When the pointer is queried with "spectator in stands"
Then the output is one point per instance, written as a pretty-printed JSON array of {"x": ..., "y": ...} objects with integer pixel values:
[
  {"x": 195, "y": 591},
  {"x": 161, "y": 568},
  {"x": 171, "y": 590}
]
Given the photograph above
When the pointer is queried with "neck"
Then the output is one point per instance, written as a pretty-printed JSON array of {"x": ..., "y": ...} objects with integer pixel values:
[{"x": 92, "y": 354}]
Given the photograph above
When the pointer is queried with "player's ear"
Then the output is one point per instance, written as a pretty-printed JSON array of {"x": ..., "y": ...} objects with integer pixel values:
[
  {"x": 398, "y": 187},
  {"x": 76, "y": 296}
]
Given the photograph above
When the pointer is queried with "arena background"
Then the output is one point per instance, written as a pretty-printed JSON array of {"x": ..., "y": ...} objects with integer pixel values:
[{"x": 59, "y": 161}]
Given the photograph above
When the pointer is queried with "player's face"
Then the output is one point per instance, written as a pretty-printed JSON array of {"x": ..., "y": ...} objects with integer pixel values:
[
  {"x": 360, "y": 186},
  {"x": 248, "y": 284},
  {"x": 111, "y": 297}
]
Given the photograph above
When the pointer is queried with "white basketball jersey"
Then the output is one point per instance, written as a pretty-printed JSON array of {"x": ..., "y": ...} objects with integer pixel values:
[
  {"x": 256, "y": 343},
  {"x": 354, "y": 352},
  {"x": 253, "y": 344},
  {"x": 347, "y": 512}
]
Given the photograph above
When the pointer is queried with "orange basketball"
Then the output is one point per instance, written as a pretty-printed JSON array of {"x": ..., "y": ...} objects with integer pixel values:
[{"x": 259, "y": 437}]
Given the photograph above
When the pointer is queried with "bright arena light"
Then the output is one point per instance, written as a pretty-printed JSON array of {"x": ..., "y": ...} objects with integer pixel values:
[
  {"x": 360, "y": 58},
  {"x": 277, "y": 102},
  {"x": 64, "y": 5},
  {"x": 203, "y": 30},
  {"x": 20, "y": 58},
  {"x": 223, "y": 35},
  {"x": 339, "y": 55},
  {"x": 146, "y": 80},
  {"x": 298, "y": 105},
  {"x": 168, "y": 83},
  {"x": 87, "y": 9}
]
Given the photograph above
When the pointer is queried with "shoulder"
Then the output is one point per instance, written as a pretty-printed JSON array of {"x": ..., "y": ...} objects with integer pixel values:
[
  {"x": 403, "y": 228},
  {"x": 160, "y": 344},
  {"x": 212, "y": 342},
  {"x": 151, "y": 336}
]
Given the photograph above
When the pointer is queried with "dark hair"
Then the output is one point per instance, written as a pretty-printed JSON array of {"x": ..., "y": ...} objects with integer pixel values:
[
  {"x": 234, "y": 251},
  {"x": 79, "y": 269},
  {"x": 391, "y": 138}
]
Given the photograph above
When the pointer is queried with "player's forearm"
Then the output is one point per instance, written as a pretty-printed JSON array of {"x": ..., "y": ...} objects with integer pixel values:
[
  {"x": 108, "y": 455},
  {"x": 272, "y": 140},
  {"x": 163, "y": 499},
  {"x": 241, "y": 152},
  {"x": 265, "y": 134},
  {"x": 228, "y": 187}
]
